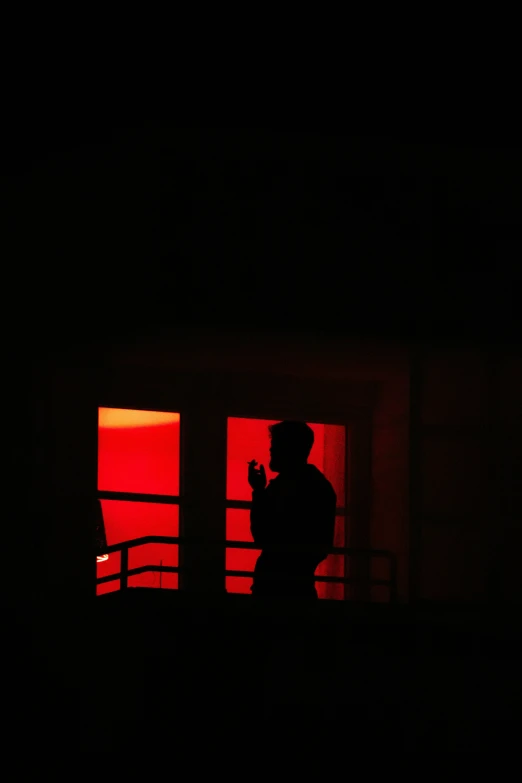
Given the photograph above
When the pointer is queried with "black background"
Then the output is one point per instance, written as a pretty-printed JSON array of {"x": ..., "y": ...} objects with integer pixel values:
[{"x": 115, "y": 230}]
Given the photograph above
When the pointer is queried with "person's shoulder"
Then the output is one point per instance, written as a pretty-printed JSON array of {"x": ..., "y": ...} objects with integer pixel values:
[
  {"x": 328, "y": 487},
  {"x": 316, "y": 477}
]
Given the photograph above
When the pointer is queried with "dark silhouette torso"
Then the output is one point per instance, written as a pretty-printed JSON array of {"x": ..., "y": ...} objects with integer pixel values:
[{"x": 293, "y": 521}]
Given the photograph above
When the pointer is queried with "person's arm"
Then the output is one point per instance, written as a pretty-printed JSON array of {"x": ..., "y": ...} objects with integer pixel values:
[
  {"x": 319, "y": 527},
  {"x": 258, "y": 516},
  {"x": 257, "y": 480}
]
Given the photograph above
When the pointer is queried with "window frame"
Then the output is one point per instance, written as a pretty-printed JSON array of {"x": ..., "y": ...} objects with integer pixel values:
[
  {"x": 205, "y": 400},
  {"x": 346, "y": 511},
  {"x": 142, "y": 497}
]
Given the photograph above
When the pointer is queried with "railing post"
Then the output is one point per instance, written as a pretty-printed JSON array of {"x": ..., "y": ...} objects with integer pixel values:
[
  {"x": 393, "y": 579},
  {"x": 124, "y": 568}
]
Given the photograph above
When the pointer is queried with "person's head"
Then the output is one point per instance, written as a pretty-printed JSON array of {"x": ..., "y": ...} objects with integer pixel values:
[{"x": 291, "y": 443}]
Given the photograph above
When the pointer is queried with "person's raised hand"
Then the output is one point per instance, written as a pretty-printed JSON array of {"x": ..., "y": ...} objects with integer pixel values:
[{"x": 256, "y": 476}]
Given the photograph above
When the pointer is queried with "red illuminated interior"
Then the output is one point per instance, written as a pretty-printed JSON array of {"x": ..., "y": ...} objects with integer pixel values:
[
  {"x": 138, "y": 451},
  {"x": 248, "y": 439}
]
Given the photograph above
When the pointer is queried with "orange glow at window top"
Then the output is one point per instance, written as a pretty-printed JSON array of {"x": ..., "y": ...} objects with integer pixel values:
[{"x": 115, "y": 418}]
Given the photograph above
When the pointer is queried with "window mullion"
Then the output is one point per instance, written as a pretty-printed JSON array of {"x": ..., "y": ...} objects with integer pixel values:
[{"x": 203, "y": 489}]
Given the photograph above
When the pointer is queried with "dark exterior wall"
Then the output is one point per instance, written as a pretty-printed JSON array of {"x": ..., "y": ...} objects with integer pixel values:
[
  {"x": 390, "y": 476},
  {"x": 460, "y": 464},
  {"x": 468, "y": 406},
  {"x": 369, "y": 382},
  {"x": 505, "y": 469},
  {"x": 63, "y": 486},
  {"x": 64, "y": 481},
  {"x": 371, "y": 376}
]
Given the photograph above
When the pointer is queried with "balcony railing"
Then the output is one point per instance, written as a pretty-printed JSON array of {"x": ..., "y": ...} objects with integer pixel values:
[{"x": 126, "y": 572}]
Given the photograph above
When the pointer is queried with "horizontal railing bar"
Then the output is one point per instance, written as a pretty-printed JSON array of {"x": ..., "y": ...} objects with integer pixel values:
[
  {"x": 155, "y": 568},
  {"x": 140, "y": 542},
  {"x": 335, "y": 579},
  {"x": 142, "y": 497},
  {"x": 139, "y": 570},
  {"x": 139, "y": 497},
  {"x": 230, "y": 545},
  {"x": 333, "y": 551},
  {"x": 176, "y": 569},
  {"x": 340, "y": 511},
  {"x": 109, "y": 578},
  {"x": 124, "y": 573}
]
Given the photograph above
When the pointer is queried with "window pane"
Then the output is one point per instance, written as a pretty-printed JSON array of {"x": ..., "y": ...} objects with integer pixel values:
[
  {"x": 238, "y": 529},
  {"x": 154, "y": 554},
  {"x": 126, "y": 520},
  {"x": 249, "y": 439},
  {"x": 334, "y": 458},
  {"x": 238, "y": 584},
  {"x": 238, "y": 524},
  {"x": 138, "y": 451},
  {"x": 108, "y": 587},
  {"x": 241, "y": 559},
  {"x": 109, "y": 566},
  {"x": 332, "y": 566}
]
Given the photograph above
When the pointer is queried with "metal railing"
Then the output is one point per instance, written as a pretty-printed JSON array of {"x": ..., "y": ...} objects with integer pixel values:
[{"x": 126, "y": 572}]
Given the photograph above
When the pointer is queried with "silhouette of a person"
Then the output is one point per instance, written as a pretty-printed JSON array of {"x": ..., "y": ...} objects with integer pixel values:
[{"x": 293, "y": 518}]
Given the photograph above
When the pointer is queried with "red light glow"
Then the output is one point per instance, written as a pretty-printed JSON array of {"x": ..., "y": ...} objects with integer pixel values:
[
  {"x": 116, "y": 418},
  {"x": 249, "y": 439},
  {"x": 138, "y": 451}
]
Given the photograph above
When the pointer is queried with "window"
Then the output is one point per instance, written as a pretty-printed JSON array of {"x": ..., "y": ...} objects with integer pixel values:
[
  {"x": 249, "y": 439},
  {"x": 138, "y": 484}
]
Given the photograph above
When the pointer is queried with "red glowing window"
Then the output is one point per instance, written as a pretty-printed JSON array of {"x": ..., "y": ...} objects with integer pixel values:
[
  {"x": 138, "y": 455},
  {"x": 138, "y": 451},
  {"x": 249, "y": 439}
]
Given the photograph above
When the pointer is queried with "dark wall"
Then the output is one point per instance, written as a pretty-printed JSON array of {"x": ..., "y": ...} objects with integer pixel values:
[
  {"x": 207, "y": 377},
  {"x": 466, "y": 447},
  {"x": 444, "y": 447},
  {"x": 390, "y": 515},
  {"x": 335, "y": 237},
  {"x": 505, "y": 467},
  {"x": 64, "y": 485}
]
